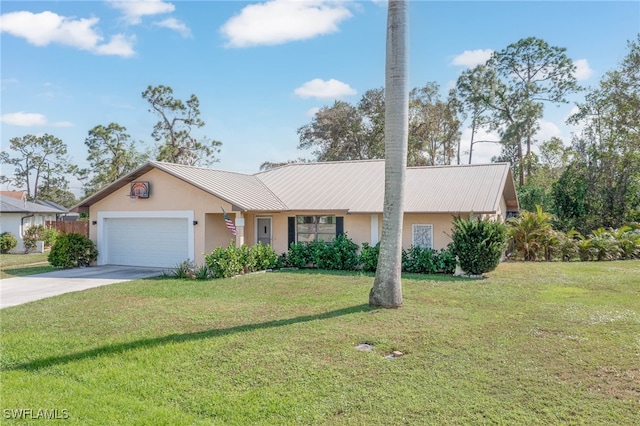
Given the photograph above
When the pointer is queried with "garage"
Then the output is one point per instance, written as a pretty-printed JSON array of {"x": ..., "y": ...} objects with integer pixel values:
[{"x": 144, "y": 241}]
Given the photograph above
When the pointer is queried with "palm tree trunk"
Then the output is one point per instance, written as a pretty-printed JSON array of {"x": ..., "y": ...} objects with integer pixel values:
[{"x": 387, "y": 286}]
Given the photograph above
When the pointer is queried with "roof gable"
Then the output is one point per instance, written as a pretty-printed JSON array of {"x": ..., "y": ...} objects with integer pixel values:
[{"x": 244, "y": 192}]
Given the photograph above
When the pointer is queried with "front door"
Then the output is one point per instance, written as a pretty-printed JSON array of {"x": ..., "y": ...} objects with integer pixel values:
[{"x": 264, "y": 230}]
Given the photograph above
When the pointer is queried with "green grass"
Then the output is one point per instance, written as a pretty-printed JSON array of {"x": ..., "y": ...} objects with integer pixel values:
[
  {"x": 544, "y": 343},
  {"x": 19, "y": 265}
]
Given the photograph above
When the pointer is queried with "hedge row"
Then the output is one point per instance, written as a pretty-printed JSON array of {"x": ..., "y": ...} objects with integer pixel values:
[{"x": 479, "y": 244}]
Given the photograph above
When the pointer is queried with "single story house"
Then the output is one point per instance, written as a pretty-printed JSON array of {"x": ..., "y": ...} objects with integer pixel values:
[
  {"x": 17, "y": 215},
  {"x": 162, "y": 214}
]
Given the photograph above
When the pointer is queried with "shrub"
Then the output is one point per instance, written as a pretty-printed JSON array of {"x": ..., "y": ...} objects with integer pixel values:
[
  {"x": 445, "y": 261},
  {"x": 567, "y": 248},
  {"x": 369, "y": 257},
  {"x": 419, "y": 260},
  {"x": 479, "y": 244},
  {"x": 230, "y": 261},
  {"x": 224, "y": 262},
  {"x": 202, "y": 272},
  {"x": 604, "y": 245},
  {"x": 185, "y": 269},
  {"x": 31, "y": 237},
  {"x": 532, "y": 234},
  {"x": 265, "y": 257},
  {"x": 7, "y": 242},
  {"x": 299, "y": 255},
  {"x": 339, "y": 254},
  {"x": 72, "y": 251},
  {"x": 49, "y": 236}
]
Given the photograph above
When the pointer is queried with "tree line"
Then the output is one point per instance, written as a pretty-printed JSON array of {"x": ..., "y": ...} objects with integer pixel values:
[
  {"x": 42, "y": 165},
  {"x": 590, "y": 183}
]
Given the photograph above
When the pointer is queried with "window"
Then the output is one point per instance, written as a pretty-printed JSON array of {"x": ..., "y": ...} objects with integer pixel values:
[
  {"x": 423, "y": 236},
  {"x": 315, "y": 228}
]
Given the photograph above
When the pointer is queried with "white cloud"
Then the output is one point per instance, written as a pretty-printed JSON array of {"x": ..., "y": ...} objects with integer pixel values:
[
  {"x": 24, "y": 119},
  {"x": 134, "y": 10},
  {"x": 583, "y": 71},
  {"x": 118, "y": 45},
  {"x": 176, "y": 25},
  {"x": 280, "y": 21},
  {"x": 547, "y": 131},
  {"x": 321, "y": 89},
  {"x": 29, "y": 119},
  {"x": 42, "y": 29},
  {"x": 471, "y": 58}
]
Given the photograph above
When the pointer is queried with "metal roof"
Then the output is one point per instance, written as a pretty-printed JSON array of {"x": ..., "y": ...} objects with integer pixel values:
[
  {"x": 342, "y": 185},
  {"x": 358, "y": 186},
  {"x": 352, "y": 186},
  {"x": 13, "y": 205},
  {"x": 244, "y": 191}
]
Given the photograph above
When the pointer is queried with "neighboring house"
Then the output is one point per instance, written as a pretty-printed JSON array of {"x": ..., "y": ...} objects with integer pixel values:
[
  {"x": 65, "y": 217},
  {"x": 176, "y": 212},
  {"x": 16, "y": 216},
  {"x": 18, "y": 195}
]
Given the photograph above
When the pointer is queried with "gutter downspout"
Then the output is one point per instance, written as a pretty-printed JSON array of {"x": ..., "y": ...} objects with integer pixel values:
[{"x": 22, "y": 223}]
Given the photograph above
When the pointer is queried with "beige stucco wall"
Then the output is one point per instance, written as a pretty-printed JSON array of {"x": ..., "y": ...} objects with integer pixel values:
[
  {"x": 170, "y": 194},
  {"x": 357, "y": 227},
  {"x": 442, "y": 226}
]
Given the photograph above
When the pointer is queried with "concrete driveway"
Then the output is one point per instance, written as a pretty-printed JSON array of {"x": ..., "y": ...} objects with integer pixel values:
[{"x": 19, "y": 290}]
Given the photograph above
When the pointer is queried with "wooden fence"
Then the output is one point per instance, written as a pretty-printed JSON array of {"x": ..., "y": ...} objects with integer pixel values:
[{"x": 77, "y": 227}]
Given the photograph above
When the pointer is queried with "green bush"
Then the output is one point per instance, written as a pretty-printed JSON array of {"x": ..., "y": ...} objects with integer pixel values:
[
  {"x": 224, "y": 262},
  {"x": 339, "y": 254},
  {"x": 445, "y": 260},
  {"x": 419, "y": 260},
  {"x": 265, "y": 257},
  {"x": 299, "y": 255},
  {"x": 479, "y": 244},
  {"x": 369, "y": 257},
  {"x": 72, "y": 251},
  {"x": 31, "y": 237},
  {"x": 231, "y": 261},
  {"x": 428, "y": 261},
  {"x": 49, "y": 236},
  {"x": 7, "y": 242}
]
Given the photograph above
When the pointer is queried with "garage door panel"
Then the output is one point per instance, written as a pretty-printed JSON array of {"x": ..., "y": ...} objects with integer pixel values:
[{"x": 159, "y": 242}]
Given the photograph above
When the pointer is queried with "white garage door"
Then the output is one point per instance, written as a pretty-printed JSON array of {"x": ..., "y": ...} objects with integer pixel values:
[{"x": 158, "y": 242}]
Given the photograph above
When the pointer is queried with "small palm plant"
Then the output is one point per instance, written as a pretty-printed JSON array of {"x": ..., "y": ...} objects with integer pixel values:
[{"x": 532, "y": 234}]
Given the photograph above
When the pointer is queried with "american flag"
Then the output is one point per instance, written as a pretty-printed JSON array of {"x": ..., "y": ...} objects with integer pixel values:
[{"x": 227, "y": 220}]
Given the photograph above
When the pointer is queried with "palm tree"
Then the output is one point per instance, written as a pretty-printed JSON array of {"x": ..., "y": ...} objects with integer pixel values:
[
  {"x": 531, "y": 233},
  {"x": 387, "y": 287}
]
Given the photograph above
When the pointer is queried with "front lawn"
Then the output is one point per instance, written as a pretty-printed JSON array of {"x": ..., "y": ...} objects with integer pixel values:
[
  {"x": 18, "y": 265},
  {"x": 536, "y": 343}
]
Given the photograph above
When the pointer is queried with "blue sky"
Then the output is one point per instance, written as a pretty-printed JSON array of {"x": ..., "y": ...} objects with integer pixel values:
[{"x": 260, "y": 69}]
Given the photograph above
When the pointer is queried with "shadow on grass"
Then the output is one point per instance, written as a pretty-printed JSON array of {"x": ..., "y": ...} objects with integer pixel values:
[
  {"x": 405, "y": 275},
  {"x": 185, "y": 337}
]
